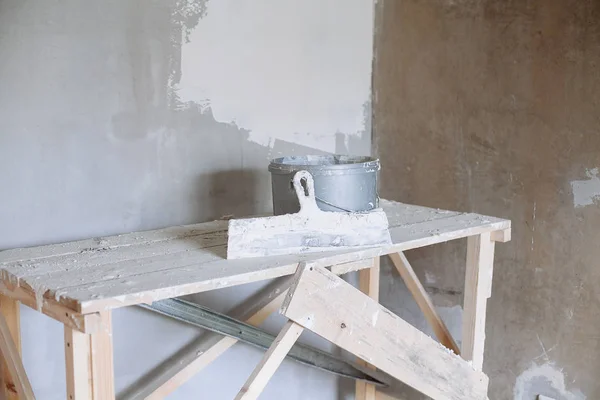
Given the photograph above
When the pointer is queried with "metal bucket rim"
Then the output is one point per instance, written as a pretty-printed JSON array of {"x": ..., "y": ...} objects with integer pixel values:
[{"x": 311, "y": 163}]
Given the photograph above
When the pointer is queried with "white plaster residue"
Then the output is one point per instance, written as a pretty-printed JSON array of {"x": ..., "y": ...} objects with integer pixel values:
[
  {"x": 300, "y": 72},
  {"x": 544, "y": 379},
  {"x": 586, "y": 192},
  {"x": 430, "y": 278},
  {"x": 374, "y": 318}
]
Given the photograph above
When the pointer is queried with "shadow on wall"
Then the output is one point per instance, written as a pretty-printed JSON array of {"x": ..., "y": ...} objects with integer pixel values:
[{"x": 232, "y": 192}]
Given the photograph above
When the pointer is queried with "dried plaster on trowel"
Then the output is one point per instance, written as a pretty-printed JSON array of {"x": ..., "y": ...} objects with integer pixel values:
[{"x": 286, "y": 76}]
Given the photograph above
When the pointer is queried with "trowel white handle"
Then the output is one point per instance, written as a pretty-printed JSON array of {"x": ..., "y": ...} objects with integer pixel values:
[{"x": 307, "y": 200}]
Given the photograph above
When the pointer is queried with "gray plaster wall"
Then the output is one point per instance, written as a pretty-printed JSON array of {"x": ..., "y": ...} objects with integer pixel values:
[
  {"x": 125, "y": 115},
  {"x": 492, "y": 106}
]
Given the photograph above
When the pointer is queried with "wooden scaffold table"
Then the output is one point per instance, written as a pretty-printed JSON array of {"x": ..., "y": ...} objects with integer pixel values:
[{"x": 80, "y": 283}]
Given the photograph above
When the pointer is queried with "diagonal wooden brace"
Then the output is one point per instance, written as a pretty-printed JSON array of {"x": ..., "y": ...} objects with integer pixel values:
[
  {"x": 326, "y": 305},
  {"x": 423, "y": 301},
  {"x": 13, "y": 362}
]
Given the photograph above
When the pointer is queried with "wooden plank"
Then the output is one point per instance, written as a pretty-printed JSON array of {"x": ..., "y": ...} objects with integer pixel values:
[
  {"x": 12, "y": 314},
  {"x": 333, "y": 309},
  {"x": 78, "y": 365},
  {"x": 398, "y": 214},
  {"x": 478, "y": 288},
  {"x": 270, "y": 362},
  {"x": 103, "y": 375},
  {"x": 368, "y": 283},
  {"x": 210, "y": 346},
  {"x": 423, "y": 300},
  {"x": 87, "y": 323},
  {"x": 12, "y": 361},
  {"x": 111, "y": 242},
  {"x": 133, "y": 265},
  {"x": 175, "y": 282}
]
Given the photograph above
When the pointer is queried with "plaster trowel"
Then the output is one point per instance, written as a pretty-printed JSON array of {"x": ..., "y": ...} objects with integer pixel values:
[{"x": 309, "y": 230}]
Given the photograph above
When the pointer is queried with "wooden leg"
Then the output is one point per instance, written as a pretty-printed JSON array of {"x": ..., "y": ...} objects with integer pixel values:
[
  {"x": 103, "y": 374},
  {"x": 368, "y": 283},
  {"x": 12, "y": 314},
  {"x": 478, "y": 288},
  {"x": 78, "y": 364},
  {"x": 423, "y": 300},
  {"x": 16, "y": 383},
  {"x": 270, "y": 362}
]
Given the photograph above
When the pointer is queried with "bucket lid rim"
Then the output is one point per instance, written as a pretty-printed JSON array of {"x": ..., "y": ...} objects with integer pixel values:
[{"x": 360, "y": 162}]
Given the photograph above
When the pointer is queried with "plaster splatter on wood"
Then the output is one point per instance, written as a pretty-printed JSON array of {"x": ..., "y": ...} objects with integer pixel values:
[{"x": 587, "y": 192}]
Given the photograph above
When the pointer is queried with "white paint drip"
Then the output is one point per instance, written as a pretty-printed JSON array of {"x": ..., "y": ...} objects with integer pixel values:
[
  {"x": 587, "y": 192},
  {"x": 544, "y": 379},
  {"x": 283, "y": 71}
]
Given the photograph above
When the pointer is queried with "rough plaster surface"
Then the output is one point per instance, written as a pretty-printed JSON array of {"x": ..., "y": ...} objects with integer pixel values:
[
  {"x": 492, "y": 106},
  {"x": 101, "y": 133}
]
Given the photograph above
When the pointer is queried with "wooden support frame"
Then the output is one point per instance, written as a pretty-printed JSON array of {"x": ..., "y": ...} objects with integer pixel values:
[
  {"x": 272, "y": 359},
  {"x": 210, "y": 346},
  {"x": 78, "y": 365},
  {"x": 423, "y": 300},
  {"x": 15, "y": 383},
  {"x": 86, "y": 323},
  {"x": 368, "y": 283},
  {"x": 9, "y": 308},
  {"x": 89, "y": 362},
  {"x": 326, "y": 305},
  {"x": 478, "y": 288}
]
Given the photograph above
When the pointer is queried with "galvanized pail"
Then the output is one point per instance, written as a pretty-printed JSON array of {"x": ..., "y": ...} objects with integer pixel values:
[{"x": 342, "y": 183}]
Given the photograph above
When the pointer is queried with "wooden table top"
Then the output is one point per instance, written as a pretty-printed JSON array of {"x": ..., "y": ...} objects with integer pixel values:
[{"x": 98, "y": 274}]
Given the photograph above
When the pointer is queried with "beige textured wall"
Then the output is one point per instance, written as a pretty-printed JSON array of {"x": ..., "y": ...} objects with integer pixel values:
[{"x": 494, "y": 107}]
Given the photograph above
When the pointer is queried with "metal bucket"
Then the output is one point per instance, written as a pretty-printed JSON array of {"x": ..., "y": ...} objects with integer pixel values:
[{"x": 342, "y": 183}]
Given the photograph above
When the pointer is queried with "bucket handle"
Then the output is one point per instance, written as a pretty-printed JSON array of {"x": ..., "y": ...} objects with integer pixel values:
[{"x": 306, "y": 198}]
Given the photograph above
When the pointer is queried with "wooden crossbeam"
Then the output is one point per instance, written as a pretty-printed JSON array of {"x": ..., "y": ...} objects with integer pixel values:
[
  {"x": 209, "y": 346},
  {"x": 270, "y": 362},
  {"x": 325, "y": 304},
  {"x": 423, "y": 300},
  {"x": 86, "y": 323}
]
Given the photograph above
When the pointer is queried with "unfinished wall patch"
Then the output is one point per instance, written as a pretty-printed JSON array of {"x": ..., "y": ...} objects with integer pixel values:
[
  {"x": 279, "y": 71},
  {"x": 545, "y": 379},
  {"x": 587, "y": 192}
]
